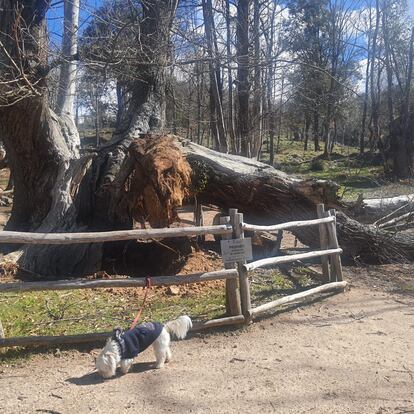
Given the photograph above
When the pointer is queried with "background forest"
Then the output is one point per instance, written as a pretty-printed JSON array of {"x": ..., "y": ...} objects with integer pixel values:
[{"x": 245, "y": 76}]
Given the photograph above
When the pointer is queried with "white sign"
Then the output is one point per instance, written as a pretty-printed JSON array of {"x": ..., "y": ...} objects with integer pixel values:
[{"x": 236, "y": 250}]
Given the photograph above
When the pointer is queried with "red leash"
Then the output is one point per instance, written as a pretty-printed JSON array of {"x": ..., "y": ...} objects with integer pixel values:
[{"x": 147, "y": 287}]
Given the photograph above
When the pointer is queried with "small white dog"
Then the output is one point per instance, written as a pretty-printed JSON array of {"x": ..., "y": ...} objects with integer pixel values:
[{"x": 122, "y": 347}]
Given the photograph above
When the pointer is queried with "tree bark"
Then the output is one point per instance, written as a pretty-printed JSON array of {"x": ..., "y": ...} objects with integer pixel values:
[
  {"x": 401, "y": 129},
  {"x": 68, "y": 71},
  {"x": 316, "y": 130},
  {"x": 242, "y": 46},
  {"x": 375, "y": 96},
  {"x": 257, "y": 119},
  {"x": 268, "y": 196},
  {"x": 53, "y": 190},
  {"x": 366, "y": 91},
  {"x": 269, "y": 87},
  {"x": 230, "y": 122},
  {"x": 216, "y": 108}
]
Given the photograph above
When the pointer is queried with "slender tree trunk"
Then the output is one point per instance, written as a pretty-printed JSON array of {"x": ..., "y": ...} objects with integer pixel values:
[
  {"x": 316, "y": 130},
  {"x": 230, "y": 122},
  {"x": 279, "y": 127},
  {"x": 307, "y": 127},
  {"x": 199, "y": 88},
  {"x": 68, "y": 70},
  {"x": 242, "y": 45},
  {"x": 218, "y": 124},
  {"x": 257, "y": 121},
  {"x": 97, "y": 115},
  {"x": 365, "y": 105},
  {"x": 374, "y": 97},
  {"x": 269, "y": 88},
  {"x": 388, "y": 66}
]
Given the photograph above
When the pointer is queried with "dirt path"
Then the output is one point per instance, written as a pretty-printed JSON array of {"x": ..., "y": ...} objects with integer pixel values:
[{"x": 350, "y": 353}]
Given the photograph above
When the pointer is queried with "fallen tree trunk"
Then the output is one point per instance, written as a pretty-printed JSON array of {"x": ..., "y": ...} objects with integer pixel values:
[
  {"x": 268, "y": 196},
  {"x": 372, "y": 210}
]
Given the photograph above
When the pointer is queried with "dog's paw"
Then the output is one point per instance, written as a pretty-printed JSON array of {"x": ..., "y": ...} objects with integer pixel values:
[
  {"x": 159, "y": 366},
  {"x": 125, "y": 365}
]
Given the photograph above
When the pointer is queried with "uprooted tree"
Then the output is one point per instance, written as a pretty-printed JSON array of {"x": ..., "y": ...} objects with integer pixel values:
[{"x": 138, "y": 175}]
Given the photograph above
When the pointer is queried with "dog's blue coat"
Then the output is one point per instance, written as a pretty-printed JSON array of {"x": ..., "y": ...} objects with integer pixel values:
[{"x": 136, "y": 340}]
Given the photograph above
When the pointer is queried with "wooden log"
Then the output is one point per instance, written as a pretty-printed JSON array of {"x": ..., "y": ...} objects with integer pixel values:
[
  {"x": 102, "y": 336},
  {"x": 289, "y": 225},
  {"x": 290, "y": 258},
  {"x": 231, "y": 320},
  {"x": 329, "y": 287},
  {"x": 54, "y": 340},
  {"x": 396, "y": 221},
  {"x": 118, "y": 283},
  {"x": 336, "y": 265},
  {"x": 244, "y": 284},
  {"x": 395, "y": 213},
  {"x": 323, "y": 237},
  {"x": 105, "y": 236},
  {"x": 233, "y": 306},
  {"x": 387, "y": 203}
]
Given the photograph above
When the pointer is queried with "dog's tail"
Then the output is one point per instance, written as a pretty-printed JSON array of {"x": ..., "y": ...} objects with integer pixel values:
[{"x": 179, "y": 327}]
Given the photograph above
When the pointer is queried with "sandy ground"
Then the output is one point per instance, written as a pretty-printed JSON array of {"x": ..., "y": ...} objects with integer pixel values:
[{"x": 349, "y": 353}]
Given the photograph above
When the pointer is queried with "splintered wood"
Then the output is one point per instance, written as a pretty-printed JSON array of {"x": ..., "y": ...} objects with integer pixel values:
[{"x": 160, "y": 181}]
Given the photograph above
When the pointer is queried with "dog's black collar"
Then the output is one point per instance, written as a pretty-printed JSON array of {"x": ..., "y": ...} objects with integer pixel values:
[{"x": 117, "y": 336}]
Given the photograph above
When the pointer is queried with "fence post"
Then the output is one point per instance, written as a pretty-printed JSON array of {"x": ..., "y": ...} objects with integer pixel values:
[
  {"x": 336, "y": 264},
  {"x": 323, "y": 237},
  {"x": 233, "y": 307},
  {"x": 198, "y": 218},
  {"x": 244, "y": 285}
]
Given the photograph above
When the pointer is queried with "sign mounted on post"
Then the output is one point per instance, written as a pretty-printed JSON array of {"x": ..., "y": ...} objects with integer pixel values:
[{"x": 236, "y": 250}]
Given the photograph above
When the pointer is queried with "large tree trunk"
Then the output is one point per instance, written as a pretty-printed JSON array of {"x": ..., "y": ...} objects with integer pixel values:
[{"x": 53, "y": 190}]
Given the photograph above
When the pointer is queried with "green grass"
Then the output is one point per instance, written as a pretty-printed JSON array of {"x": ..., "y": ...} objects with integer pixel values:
[
  {"x": 271, "y": 284},
  {"x": 82, "y": 311},
  {"x": 353, "y": 175}
]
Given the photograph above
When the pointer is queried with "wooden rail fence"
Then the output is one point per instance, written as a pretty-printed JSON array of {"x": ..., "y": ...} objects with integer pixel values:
[{"x": 236, "y": 275}]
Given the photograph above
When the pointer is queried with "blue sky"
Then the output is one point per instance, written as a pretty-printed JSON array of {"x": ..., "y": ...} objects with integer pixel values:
[
  {"x": 411, "y": 7},
  {"x": 55, "y": 15},
  {"x": 55, "y": 18}
]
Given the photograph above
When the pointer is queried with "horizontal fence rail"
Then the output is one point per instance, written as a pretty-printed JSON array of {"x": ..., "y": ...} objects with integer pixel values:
[
  {"x": 290, "y": 258},
  {"x": 119, "y": 283},
  {"x": 106, "y": 236},
  {"x": 288, "y": 225},
  {"x": 102, "y": 336},
  {"x": 327, "y": 288}
]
